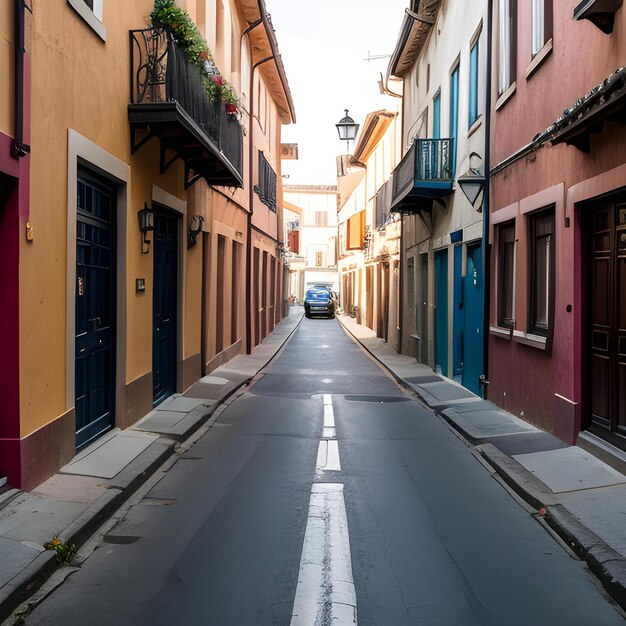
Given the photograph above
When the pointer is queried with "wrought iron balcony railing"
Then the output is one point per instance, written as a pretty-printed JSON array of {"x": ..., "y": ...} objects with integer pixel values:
[
  {"x": 169, "y": 101},
  {"x": 425, "y": 172}
]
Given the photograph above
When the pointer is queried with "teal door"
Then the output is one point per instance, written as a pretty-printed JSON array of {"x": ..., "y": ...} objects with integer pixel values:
[
  {"x": 458, "y": 309},
  {"x": 95, "y": 308},
  {"x": 473, "y": 344},
  {"x": 441, "y": 311}
]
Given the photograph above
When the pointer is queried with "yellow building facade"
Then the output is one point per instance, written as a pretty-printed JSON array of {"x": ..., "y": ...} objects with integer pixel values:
[{"x": 112, "y": 308}]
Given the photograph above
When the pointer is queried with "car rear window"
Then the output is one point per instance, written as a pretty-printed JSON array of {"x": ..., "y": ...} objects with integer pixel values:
[{"x": 313, "y": 294}]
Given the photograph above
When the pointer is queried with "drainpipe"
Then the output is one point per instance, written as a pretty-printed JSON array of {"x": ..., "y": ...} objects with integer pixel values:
[
  {"x": 18, "y": 147},
  {"x": 251, "y": 193},
  {"x": 484, "y": 379}
]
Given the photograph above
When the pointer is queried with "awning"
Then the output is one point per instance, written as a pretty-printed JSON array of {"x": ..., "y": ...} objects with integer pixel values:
[
  {"x": 413, "y": 34},
  {"x": 601, "y": 13},
  {"x": 605, "y": 102},
  {"x": 265, "y": 46}
]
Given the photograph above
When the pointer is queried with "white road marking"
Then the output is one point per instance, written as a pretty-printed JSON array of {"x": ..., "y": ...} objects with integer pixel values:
[
  {"x": 328, "y": 399},
  {"x": 327, "y": 458},
  {"x": 329, "y": 416},
  {"x": 329, "y": 433},
  {"x": 325, "y": 593}
]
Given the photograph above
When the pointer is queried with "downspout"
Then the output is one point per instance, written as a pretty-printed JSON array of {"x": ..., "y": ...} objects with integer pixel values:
[
  {"x": 18, "y": 147},
  {"x": 251, "y": 200},
  {"x": 484, "y": 380}
]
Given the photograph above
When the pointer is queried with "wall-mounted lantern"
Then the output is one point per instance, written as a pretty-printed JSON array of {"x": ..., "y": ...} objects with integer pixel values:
[
  {"x": 194, "y": 229},
  {"x": 472, "y": 182},
  {"x": 146, "y": 225}
]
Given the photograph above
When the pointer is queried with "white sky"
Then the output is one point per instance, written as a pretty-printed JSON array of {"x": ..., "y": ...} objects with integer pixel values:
[{"x": 323, "y": 45}]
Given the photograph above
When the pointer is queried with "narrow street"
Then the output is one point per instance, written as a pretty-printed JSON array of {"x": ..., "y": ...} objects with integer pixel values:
[{"x": 403, "y": 521}]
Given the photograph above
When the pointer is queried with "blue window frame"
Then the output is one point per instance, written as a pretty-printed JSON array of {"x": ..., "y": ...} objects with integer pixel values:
[
  {"x": 454, "y": 102},
  {"x": 437, "y": 116},
  {"x": 473, "y": 84}
]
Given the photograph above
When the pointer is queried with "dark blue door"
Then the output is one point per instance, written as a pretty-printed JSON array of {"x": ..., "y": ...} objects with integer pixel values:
[
  {"x": 473, "y": 345},
  {"x": 164, "y": 327},
  {"x": 441, "y": 311},
  {"x": 95, "y": 308}
]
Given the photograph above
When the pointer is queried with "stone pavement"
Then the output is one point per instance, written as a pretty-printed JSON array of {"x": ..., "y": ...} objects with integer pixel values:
[
  {"x": 74, "y": 503},
  {"x": 578, "y": 495}
]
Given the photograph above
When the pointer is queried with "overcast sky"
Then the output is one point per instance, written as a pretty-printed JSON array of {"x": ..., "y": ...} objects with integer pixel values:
[{"x": 323, "y": 45}]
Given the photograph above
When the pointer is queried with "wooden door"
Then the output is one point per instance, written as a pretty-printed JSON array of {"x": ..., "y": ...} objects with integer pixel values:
[{"x": 607, "y": 371}]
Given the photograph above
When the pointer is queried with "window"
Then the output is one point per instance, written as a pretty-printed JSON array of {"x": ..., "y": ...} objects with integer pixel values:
[
  {"x": 506, "y": 275},
  {"x": 92, "y": 12},
  {"x": 266, "y": 189},
  {"x": 541, "y": 271},
  {"x": 321, "y": 218},
  {"x": 473, "y": 84},
  {"x": 437, "y": 116},
  {"x": 507, "y": 44},
  {"x": 541, "y": 24},
  {"x": 454, "y": 102}
]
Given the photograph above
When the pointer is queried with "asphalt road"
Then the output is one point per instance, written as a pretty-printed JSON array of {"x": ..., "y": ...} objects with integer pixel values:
[{"x": 405, "y": 526}]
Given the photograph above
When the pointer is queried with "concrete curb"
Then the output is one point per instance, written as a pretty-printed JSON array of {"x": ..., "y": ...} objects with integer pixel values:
[
  {"x": 27, "y": 582},
  {"x": 605, "y": 563},
  {"x": 127, "y": 482}
]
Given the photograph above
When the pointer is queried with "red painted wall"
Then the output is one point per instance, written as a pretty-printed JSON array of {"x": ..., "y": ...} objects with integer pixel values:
[
  {"x": 547, "y": 387},
  {"x": 9, "y": 313}
]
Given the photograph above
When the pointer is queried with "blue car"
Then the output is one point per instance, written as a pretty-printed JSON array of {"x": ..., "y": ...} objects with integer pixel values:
[{"x": 318, "y": 301}]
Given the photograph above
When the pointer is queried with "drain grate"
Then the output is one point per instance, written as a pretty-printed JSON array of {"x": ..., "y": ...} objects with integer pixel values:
[{"x": 377, "y": 399}]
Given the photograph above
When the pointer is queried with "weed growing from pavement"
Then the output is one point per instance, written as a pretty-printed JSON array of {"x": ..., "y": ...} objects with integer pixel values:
[{"x": 65, "y": 552}]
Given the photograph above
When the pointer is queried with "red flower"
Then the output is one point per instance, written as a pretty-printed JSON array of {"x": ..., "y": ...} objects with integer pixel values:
[
  {"x": 231, "y": 108},
  {"x": 204, "y": 56},
  {"x": 217, "y": 79}
]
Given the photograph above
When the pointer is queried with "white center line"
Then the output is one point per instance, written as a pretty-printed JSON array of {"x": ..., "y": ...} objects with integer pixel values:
[
  {"x": 329, "y": 431},
  {"x": 325, "y": 592},
  {"x": 327, "y": 457}
]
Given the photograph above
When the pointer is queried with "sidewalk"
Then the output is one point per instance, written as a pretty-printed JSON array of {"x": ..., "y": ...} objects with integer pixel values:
[
  {"x": 86, "y": 492},
  {"x": 579, "y": 496}
]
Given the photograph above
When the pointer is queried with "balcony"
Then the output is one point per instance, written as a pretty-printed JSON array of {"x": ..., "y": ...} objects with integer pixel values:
[
  {"x": 168, "y": 101},
  {"x": 424, "y": 174}
]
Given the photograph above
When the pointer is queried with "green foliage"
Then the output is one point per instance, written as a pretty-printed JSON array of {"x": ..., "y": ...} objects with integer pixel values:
[
  {"x": 193, "y": 45},
  {"x": 65, "y": 552}
]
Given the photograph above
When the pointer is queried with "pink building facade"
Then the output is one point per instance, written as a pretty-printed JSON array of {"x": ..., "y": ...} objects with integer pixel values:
[{"x": 557, "y": 220}]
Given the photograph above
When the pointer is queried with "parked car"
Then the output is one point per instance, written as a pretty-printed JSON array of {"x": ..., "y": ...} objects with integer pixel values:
[{"x": 319, "y": 301}]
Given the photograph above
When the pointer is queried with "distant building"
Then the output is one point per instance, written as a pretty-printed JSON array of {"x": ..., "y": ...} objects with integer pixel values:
[
  {"x": 369, "y": 236},
  {"x": 317, "y": 234}
]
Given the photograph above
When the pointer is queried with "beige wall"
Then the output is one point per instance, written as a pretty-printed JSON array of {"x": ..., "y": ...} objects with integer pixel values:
[{"x": 80, "y": 82}]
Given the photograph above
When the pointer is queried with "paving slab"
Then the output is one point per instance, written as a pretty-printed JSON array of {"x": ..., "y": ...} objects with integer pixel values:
[
  {"x": 109, "y": 459},
  {"x": 569, "y": 469},
  {"x": 72, "y": 488},
  {"x": 15, "y": 557},
  {"x": 527, "y": 442},
  {"x": 444, "y": 391},
  {"x": 179, "y": 403},
  {"x": 603, "y": 510},
  {"x": 37, "y": 520}
]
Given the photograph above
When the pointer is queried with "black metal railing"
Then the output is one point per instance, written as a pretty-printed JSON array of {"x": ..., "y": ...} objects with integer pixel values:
[
  {"x": 161, "y": 73},
  {"x": 434, "y": 159}
]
